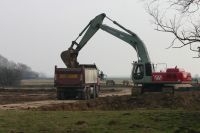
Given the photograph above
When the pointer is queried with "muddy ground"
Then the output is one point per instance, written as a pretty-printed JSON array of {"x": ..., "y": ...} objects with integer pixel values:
[
  {"x": 180, "y": 100},
  {"x": 110, "y": 99},
  {"x": 27, "y": 98},
  {"x": 10, "y": 96}
]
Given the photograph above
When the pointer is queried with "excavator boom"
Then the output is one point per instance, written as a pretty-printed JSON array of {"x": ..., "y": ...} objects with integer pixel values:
[{"x": 69, "y": 56}]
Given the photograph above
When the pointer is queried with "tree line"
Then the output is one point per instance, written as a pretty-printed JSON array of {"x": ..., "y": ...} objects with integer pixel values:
[{"x": 12, "y": 73}]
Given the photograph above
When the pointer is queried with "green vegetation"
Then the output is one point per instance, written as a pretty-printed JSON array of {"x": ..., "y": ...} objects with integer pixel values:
[{"x": 138, "y": 121}]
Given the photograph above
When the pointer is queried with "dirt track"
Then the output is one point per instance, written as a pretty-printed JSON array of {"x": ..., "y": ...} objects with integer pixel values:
[
  {"x": 31, "y": 99},
  {"x": 110, "y": 99}
]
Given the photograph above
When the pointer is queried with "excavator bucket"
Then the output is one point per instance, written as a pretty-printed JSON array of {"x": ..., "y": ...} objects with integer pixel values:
[{"x": 69, "y": 57}]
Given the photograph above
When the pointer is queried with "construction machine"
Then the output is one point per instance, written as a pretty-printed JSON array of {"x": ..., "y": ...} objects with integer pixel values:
[{"x": 143, "y": 74}]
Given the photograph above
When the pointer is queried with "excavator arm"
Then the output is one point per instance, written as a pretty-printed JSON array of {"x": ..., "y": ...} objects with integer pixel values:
[
  {"x": 132, "y": 39},
  {"x": 69, "y": 56}
]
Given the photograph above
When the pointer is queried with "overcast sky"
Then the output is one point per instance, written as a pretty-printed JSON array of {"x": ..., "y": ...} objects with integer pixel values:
[{"x": 35, "y": 32}]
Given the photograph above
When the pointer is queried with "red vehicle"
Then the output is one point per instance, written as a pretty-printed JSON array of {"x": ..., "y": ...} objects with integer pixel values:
[
  {"x": 81, "y": 82},
  {"x": 172, "y": 75}
]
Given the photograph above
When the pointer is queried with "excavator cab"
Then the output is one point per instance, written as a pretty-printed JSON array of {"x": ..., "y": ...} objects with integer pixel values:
[
  {"x": 142, "y": 72},
  {"x": 138, "y": 71}
]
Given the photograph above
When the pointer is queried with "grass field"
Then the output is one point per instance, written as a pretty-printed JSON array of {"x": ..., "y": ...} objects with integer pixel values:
[
  {"x": 147, "y": 113},
  {"x": 134, "y": 121}
]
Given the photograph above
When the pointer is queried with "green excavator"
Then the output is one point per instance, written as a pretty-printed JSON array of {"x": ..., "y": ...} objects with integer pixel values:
[{"x": 143, "y": 72}]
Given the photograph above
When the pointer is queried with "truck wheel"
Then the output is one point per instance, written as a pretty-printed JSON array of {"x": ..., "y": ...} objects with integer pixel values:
[
  {"x": 88, "y": 94},
  {"x": 59, "y": 94},
  {"x": 67, "y": 95},
  {"x": 97, "y": 91},
  {"x": 93, "y": 95},
  {"x": 62, "y": 95},
  {"x": 85, "y": 94},
  {"x": 93, "y": 92}
]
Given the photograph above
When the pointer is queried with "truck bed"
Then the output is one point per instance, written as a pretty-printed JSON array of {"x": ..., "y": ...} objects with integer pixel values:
[{"x": 85, "y": 74}]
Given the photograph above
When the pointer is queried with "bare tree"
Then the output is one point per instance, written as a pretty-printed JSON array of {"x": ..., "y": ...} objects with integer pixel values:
[{"x": 180, "y": 18}]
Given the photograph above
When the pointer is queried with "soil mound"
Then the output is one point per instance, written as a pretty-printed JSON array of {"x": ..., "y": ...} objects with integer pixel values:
[{"x": 180, "y": 100}]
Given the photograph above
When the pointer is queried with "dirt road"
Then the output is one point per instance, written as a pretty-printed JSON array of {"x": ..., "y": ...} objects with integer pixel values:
[{"x": 31, "y": 99}]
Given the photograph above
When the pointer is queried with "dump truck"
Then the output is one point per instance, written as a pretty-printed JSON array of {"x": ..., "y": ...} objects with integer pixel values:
[{"x": 80, "y": 83}]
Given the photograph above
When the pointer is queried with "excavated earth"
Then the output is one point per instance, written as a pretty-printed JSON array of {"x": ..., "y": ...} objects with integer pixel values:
[
  {"x": 110, "y": 99},
  {"x": 181, "y": 100}
]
